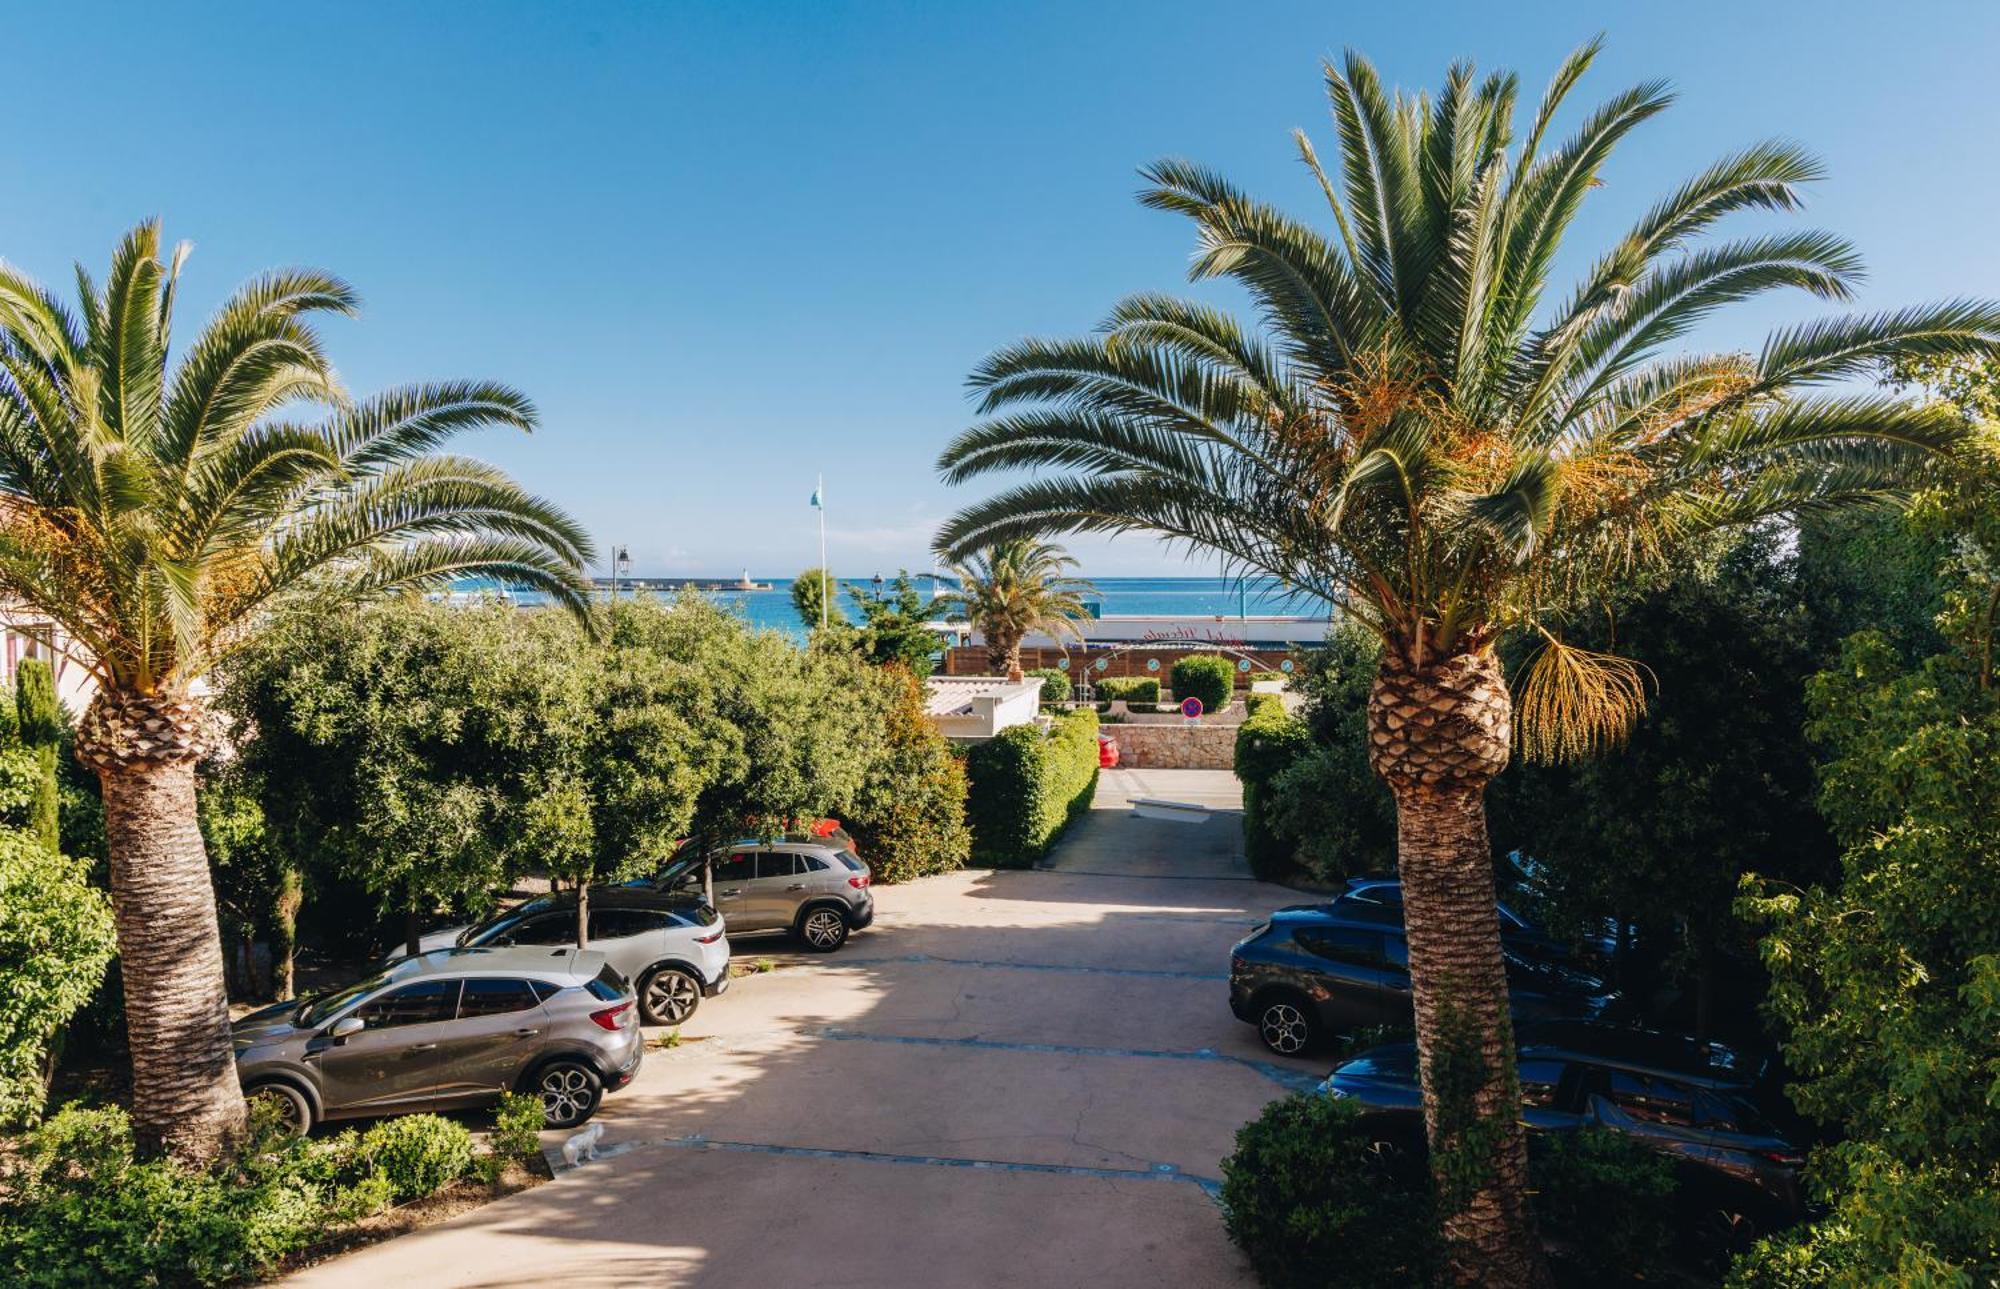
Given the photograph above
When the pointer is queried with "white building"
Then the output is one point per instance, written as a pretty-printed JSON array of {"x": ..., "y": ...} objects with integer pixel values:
[
  {"x": 978, "y": 707},
  {"x": 23, "y": 636}
]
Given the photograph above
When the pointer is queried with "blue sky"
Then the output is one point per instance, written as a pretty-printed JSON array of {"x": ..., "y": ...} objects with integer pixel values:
[{"x": 727, "y": 246}]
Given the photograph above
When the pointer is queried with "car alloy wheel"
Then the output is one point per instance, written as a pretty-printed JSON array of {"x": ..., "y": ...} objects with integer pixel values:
[
  {"x": 824, "y": 930},
  {"x": 1284, "y": 1029},
  {"x": 671, "y": 996},
  {"x": 568, "y": 1095}
]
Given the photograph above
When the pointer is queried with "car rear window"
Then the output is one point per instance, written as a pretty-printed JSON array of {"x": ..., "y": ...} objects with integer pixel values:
[
  {"x": 852, "y": 860},
  {"x": 608, "y": 985},
  {"x": 699, "y": 915}
]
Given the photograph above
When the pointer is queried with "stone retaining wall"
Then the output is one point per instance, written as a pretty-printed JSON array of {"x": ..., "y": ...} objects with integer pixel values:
[{"x": 1175, "y": 747}]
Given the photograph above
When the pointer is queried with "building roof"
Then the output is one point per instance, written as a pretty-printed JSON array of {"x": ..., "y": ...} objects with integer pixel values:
[{"x": 956, "y": 695}]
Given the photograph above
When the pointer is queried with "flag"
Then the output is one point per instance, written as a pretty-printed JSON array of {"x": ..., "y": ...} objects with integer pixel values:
[{"x": 816, "y": 503}]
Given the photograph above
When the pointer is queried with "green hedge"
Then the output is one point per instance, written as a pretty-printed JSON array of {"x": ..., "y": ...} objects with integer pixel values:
[
  {"x": 1055, "y": 685},
  {"x": 1207, "y": 677},
  {"x": 1267, "y": 744},
  {"x": 1026, "y": 787},
  {"x": 1133, "y": 689}
]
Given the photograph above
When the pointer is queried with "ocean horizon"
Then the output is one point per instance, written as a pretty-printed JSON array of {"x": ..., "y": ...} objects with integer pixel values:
[{"x": 1207, "y": 597}]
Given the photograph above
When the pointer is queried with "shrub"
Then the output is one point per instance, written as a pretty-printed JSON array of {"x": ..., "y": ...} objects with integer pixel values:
[
  {"x": 1207, "y": 677},
  {"x": 1267, "y": 743},
  {"x": 418, "y": 1154},
  {"x": 55, "y": 938},
  {"x": 517, "y": 1128},
  {"x": 39, "y": 717},
  {"x": 1026, "y": 787},
  {"x": 1316, "y": 807},
  {"x": 1605, "y": 1202},
  {"x": 1132, "y": 689},
  {"x": 1055, "y": 685},
  {"x": 908, "y": 820},
  {"x": 1314, "y": 1208}
]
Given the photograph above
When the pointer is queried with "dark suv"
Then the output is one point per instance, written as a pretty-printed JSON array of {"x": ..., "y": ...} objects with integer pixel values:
[
  {"x": 1685, "y": 1099},
  {"x": 1315, "y": 970}
]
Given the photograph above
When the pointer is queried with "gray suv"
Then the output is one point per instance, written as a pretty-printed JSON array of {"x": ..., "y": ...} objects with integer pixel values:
[
  {"x": 815, "y": 889},
  {"x": 449, "y": 1030}
]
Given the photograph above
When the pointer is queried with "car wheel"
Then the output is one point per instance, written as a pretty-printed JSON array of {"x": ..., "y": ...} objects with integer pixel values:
[
  {"x": 1285, "y": 1026},
  {"x": 823, "y": 929},
  {"x": 669, "y": 996},
  {"x": 291, "y": 1109},
  {"x": 570, "y": 1091}
]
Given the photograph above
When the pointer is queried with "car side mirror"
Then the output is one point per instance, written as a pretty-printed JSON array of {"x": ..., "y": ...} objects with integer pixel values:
[{"x": 347, "y": 1025}]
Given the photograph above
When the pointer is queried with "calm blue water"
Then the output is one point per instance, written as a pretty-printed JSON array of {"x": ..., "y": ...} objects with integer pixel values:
[{"x": 1117, "y": 595}]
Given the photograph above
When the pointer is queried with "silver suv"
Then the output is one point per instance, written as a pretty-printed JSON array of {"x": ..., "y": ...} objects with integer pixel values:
[
  {"x": 815, "y": 889},
  {"x": 449, "y": 1030},
  {"x": 671, "y": 946}
]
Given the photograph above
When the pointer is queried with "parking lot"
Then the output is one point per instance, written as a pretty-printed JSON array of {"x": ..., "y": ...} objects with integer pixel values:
[{"x": 1012, "y": 1078}]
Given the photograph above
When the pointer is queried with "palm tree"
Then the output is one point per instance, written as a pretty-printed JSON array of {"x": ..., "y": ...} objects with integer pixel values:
[
  {"x": 155, "y": 508},
  {"x": 1014, "y": 588},
  {"x": 1420, "y": 433}
]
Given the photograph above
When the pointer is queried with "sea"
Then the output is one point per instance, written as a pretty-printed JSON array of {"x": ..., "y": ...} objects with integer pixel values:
[{"x": 1114, "y": 596}]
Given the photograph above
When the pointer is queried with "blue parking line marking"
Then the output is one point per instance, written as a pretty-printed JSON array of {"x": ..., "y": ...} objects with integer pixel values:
[
  {"x": 696, "y": 1141},
  {"x": 1295, "y": 1080}
]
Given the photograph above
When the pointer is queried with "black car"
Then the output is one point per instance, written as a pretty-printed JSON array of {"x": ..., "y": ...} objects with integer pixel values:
[
  {"x": 1316, "y": 969},
  {"x": 1690, "y": 1101},
  {"x": 1380, "y": 900}
]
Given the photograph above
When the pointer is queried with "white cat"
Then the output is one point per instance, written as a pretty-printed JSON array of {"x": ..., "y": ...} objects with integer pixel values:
[{"x": 582, "y": 1146}]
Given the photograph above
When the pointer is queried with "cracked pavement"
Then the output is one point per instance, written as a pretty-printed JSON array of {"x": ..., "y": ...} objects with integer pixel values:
[{"x": 988, "y": 1087}]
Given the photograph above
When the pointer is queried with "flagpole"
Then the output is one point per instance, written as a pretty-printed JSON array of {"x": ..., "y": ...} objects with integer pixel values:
[{"x": 825, "y": 574}]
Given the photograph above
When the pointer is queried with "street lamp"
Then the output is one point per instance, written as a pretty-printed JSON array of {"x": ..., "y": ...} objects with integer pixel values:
[{"x": 621, "y": 563}]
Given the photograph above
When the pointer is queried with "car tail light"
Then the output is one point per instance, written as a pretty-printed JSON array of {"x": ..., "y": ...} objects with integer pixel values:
[
  {"x": 858, "y": 882},
  {"x": 1788, "y": 1158},
  {"x": 612, "y": 1018},
  {"x": 710, "y": 938}
]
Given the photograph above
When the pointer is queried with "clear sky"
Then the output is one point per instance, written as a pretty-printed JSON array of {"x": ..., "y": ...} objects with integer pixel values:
[{"x": 726, "y": 246}]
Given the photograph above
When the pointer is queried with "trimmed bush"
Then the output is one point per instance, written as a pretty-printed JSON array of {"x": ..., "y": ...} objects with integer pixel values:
[
  {"x": 1055, "y": 685},
  {"x": 1313, "y": 1207},
  {"x": 1605, "y": 1202},
  {"x": 39, "y": 714},
  {"x": 419, "y": 1154},
  {"x": 1207, "y": 677},
  {"x": 79, "y": 1208},
  {"x": 908, "y": 820},
  {"x": 1267, "y": 744},
  {"x": 1026, "y": 787},
  {"x": 55, "y": 939},
  {"x": 1132, "y": 689}
]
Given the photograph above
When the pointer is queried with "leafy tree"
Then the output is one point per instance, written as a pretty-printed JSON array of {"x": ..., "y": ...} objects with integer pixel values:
[
  {"x": 39, "y": 716},
  {"x": 1888, "y": 981},
  {"x": 1716, "y": 780},
  {"x": 162, "y": 499},
  {"x": 55, "y": 940},
  {"x": 1421, "y": 433},
  {"x": 894, "y": 626},
  {"x": 1013, "y": 588},
  {"x": 813, "y": 592},
  {"x": 908, "y": 816},
  {"x": 259, "y": 885}
]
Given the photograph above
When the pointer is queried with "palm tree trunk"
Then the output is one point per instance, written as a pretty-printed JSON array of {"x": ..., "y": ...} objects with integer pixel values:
[
  {"x": 1013, "y": 660},
  {"x": 1437, "y": 736},
  {"x": 185, "y": 1097}
]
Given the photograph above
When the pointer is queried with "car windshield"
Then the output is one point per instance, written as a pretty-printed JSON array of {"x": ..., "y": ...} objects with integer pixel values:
[{"x": 320, "y": 1008}]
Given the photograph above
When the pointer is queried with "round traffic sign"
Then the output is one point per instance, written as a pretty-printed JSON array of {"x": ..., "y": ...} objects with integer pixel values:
[{"x": 1191, "y": 707}]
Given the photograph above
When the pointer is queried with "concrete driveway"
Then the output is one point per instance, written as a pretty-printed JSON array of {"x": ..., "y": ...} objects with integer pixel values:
[{"x": 1019, "y": 1078}]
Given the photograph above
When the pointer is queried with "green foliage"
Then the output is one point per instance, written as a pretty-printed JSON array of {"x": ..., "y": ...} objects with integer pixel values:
[
  {"x": 1815, "y": 1256},
  {"x": 1131, "y": 689},
  {"x": 1606, "y": 1203},
  {"x": 1267, "y": 743},
  {"x": 41, "y": 732},
  {"x": 893, "y": 626},
  {"x": 517, "y": 1128},
  {"x": 1313, "y": 1207},
  {"x": 1025, "y": 787},
  {"x": 908, "y": 818},
  {"x": 1055, "y": 685},
  {"x": 258, "y": 887},
  {"x": 79, "y": 1208},
  {"x": 56, "y": 938},
  {"x": 812, "y": 589},
  {"x": 418, "y": 1154},
  {"x": 1210, "y": 678},
  {"x": 1716, "y": 779}
]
